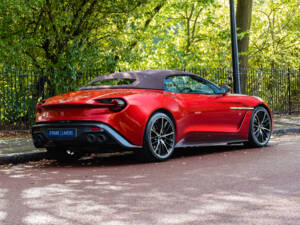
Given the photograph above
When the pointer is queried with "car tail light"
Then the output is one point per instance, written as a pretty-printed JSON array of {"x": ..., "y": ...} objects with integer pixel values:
[
  {"x": 114, "y": 104},
  {"x": 38, "y": 106}
]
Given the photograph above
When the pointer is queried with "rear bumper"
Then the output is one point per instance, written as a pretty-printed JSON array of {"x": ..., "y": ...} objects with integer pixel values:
[{"x": 88, "y": 133}]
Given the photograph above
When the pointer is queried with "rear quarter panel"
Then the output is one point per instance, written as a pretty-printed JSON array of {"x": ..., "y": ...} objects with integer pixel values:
[{"x": 133, "y": 120}]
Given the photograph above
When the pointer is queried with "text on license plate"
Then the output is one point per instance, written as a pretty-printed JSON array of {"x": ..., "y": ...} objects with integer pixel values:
[{"x": 61, "y": 133}]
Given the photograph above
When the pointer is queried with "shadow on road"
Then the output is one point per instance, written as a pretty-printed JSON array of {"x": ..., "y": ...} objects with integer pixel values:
[{"x": 130, "y": 158}]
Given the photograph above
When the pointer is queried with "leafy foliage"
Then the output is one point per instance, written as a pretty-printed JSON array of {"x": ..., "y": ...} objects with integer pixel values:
[
  {"x": 275, "y": 35},
  {"x": 72, "y": 35},
  {"x": 64, "y": 35}
]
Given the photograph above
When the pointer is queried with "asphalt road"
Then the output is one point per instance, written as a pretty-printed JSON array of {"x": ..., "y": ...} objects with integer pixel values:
[{"x": 219, "y": 185}]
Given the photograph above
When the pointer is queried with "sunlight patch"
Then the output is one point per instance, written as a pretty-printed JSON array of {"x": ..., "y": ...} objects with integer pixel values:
[
  {"x": 115, "y": 222},
  {"x": 40, "y": 218},
  {"x": 77, "y": 181},
  {"x": 2, "y": 215},
  {"x": 177, "y": 219},
  {"x": 38, "y": 192}
]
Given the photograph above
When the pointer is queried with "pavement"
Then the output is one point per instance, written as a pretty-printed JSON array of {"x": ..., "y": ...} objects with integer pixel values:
[
  {"x": 225, "y": 185},
  {"x": 16, "y": 150}
]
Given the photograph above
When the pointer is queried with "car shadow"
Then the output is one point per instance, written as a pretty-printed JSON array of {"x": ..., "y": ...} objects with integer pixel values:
[{"x": 130, "y": 158}]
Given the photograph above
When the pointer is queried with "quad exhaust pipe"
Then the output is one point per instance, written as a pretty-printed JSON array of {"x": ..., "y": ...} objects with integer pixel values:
[
  {"x": 39, "y": 140},
  {"x": 101, "y": 138},
  {"x": 93, "y": 138}
]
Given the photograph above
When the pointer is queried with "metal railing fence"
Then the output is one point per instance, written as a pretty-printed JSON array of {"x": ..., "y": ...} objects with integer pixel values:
[{"x": 21, "y": 89}]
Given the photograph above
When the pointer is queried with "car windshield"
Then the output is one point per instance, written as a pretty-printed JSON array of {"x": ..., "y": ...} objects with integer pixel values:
[{"x": 112, "y": 82}]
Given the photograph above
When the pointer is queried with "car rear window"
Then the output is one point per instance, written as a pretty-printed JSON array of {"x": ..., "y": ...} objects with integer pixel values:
[{"x": 112, "y": 82}]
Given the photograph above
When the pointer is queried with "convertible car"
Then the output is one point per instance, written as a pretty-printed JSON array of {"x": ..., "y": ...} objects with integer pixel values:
[{"x": 151, "y": 112}]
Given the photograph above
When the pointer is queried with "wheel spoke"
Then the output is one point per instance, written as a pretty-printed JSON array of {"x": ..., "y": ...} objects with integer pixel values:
[
  {"x": 165, "y": 125},
  {"x": 262, "y": 135},
  {"x": 168, "y": 128},
  {"x": 165, "y": 146},
  {"x": 265, "y": 134},
  {"x": 257, "y": 131},
  {"x": 263, "y": 118},
  {"x": 157, "y": 134},
  {"x": 167, "y": 143},
  {"x": 162, "y": 126},
  {"x": 157, "y": 147},
  {"x": 165, "y": 135},
  {"x": 267, "y": 122},
  {"x": 155, "y": 128},
  {"x": 263, "y": 128},
  {"x": 259, "y": 137},
  {"x": 257, "y": 119}
]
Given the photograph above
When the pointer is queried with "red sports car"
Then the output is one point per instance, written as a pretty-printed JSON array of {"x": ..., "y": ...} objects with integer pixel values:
[{"x": 152, "y": 112}]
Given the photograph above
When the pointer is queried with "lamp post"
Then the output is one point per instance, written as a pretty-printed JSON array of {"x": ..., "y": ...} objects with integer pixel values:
[{"x": 234, "y": 50}]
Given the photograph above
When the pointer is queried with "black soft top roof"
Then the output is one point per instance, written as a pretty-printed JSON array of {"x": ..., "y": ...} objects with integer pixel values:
[{"x": 145, "y": 79}]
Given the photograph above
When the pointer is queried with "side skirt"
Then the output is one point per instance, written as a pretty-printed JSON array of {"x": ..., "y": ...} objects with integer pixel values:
[{"x": 181, "y": 143}]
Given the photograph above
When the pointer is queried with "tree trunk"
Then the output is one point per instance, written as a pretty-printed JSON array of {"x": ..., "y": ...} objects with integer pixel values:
[{"x": 243, "y": 22}]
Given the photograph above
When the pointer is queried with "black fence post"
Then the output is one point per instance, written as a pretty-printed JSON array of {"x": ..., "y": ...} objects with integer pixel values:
[
  {"x": 289, "y": 92},
  {"x": 234, "y": 50}
]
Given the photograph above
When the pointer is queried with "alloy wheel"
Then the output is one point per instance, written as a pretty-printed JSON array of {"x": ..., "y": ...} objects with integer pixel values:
[
  {"x": 261, "y": 127},
  {"x": 162, "y": 137}
]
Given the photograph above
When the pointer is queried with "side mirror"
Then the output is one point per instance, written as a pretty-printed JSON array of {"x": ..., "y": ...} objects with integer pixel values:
[{"x": 225, "y": 89}]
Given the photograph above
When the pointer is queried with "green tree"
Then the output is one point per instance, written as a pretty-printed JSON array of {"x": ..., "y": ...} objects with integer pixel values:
[
  {"x": 174, "y": 36},
  {"x": 64, "y": 35},
  {"x": 275, "y": 34},
  {"x": 72, "y": 35}
]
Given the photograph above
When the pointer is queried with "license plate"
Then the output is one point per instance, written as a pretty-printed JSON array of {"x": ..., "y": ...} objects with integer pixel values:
[{"x": 61, "y": 133}]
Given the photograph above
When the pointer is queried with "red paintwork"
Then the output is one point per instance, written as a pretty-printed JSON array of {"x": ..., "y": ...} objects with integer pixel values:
[{"x": 198, "y": 118}]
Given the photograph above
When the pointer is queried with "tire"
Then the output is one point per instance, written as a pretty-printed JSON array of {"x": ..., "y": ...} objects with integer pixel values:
[
  {"x": 260, "y": 127},
  {"x": 159, "y": 138},
  {"x": 63, "y": 155}
]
